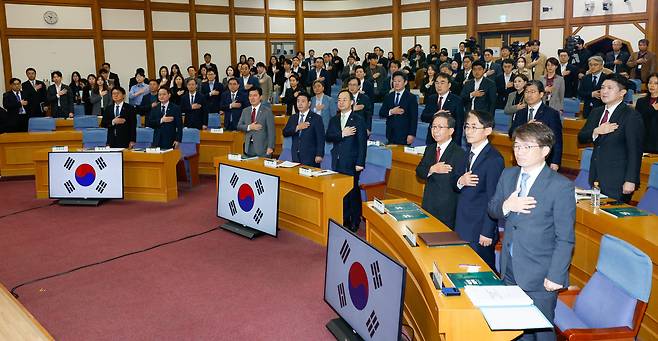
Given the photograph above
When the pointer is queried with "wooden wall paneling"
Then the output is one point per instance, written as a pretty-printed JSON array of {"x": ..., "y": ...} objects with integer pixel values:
[
  {"x": 212, "y": 9},
  {"x": 231, "y": 28},
  {"x": 299, "y": 25},
  {"x": 79, "y": 3},
  {"x": 536, "y": 12},
  {"x": 471, "y": 18},
  {"x": 435, "y": 23},
  {"x": 150, "y": 46},
  {"x": 568, "y": 14},
  {"x": 120, "y": 4},
  {"x": 652, "y": 24},
  {"x": 169, "y": 7},
  {"x": 354, "y": 36},
  {"x": 124, "y": 34},
  {"x": 97, "y": 25},
  {"x": 351, "y": 12},
  {"x": 40, "y": 33},
  {"x": 4, "y": 45},
  {"x": 194, "y": 43},
  {"x": 396, "y": 27},
  {"x": 421, "y": 6},
  {"x": 268, "y": 48}
]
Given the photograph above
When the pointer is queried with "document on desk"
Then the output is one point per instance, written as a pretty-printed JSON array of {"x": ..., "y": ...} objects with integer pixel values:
[
  {"x": 323, "y": 172},
  {"x": 288, "y": 164},
  {"x": 506, "y": 307}
]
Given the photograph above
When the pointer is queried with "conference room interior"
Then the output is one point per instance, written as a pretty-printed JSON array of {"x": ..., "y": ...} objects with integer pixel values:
[{"x": 154, "y": 264}]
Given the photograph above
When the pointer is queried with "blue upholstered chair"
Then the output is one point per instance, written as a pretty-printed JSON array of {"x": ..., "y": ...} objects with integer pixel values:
[
  {"x": 78, "y": 110},
  {"x": 139, "y": 121},
  {"x": 41, "y": 124},
  {"x": 502, "y": 121},
  {"x": 188, "y": 167},
  {"x": 638, "y": 84},
  {"x": 326, "y": 160},
  {"x": 649, "y": 201},
  {"x": 374, "y": 176},
  {"x": 286, "y": 154},
  {"x": 613, "y": 302},
  {"x": 571, "y": 107},
  {"x": 628, "y": 99},
  {"x": 378, "y": 132},
  {"x": 375, "y": 109},
  {"x": 85, "y": 122},
  {"x": 94, "y": 137},
  {"x": 213, "y": 121},
  {"x": 582, "y": 180},
  {"x": 421, "y": 134},
  {"x": 144, "y": 138}
]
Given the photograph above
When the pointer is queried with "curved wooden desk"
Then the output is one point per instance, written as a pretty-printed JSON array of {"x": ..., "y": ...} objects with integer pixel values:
[
  {"x": 16, "y": 323},
  {"x": 431, "y": 315},
  {"x": 16, "y": 149},
  {"x": 213, "y": 145}
]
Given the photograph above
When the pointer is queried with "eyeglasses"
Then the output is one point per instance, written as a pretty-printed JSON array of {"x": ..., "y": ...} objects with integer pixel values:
[
  {"x": 439, "y": 127},
  {"x": 470, "y": 127},
  {"x": 524, "y": 148}
]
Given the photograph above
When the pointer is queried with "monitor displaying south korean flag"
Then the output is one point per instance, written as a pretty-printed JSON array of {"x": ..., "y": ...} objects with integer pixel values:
[
  {"x": 85, "y": 175},
  {"x": 249, "y": 198},
  {"x": 364, "y": 286}
]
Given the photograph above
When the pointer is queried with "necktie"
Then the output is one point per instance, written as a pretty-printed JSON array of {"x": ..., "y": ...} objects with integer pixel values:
[
  {"x": 301, "y": 119},
  {"x": 397, "y": 99},
  {"x": 523, "y": 187},
  {"x": 117, "y": 111},
  {"x": 164, "y": 110},
  {"x": 594, "y": 82},
  {"x": 18, "y": 97},
  {"x": 469, "y": 161},
  {"x": 192, "y": 100},
  {"x": 438, "y": 153},
  {"x": 253, "y": 115},
  {"x": 487, "y": 68},
  {"x": 440, "y": 102},
  {"x": 531, "y": 114},
  {"x": 233, "y": 97},
  {"x": 606, "y": 116}
]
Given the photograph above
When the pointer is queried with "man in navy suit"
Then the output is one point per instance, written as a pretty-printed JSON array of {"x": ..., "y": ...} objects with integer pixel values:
[
  {"x": 400, "y": 109},
  {"x": 232, "y": 102},
  {"x": 319, "y": 73},
  {"x": 569, "y": 72},
  {"x": 477, "y": 184},
  {"x": 17, "y": 106},
  {"x": 166, "y": 119},
  {"x": 504, "y": 83},
  {"x": 193, "y": 105},
  {"x": 590, "y": 86},
  {"x": 35, "y": 94},
  {"x": 444, "y": 101},
  {"x": 479, "y": 93},
  {"x": 212, "y": 90},
  {"x": 616, "y": 59},
  {"x": 362, "y": 103},
  {"x": 536, "y": 110},
  {"x": 539, "y": 209},
  {"x": 366, "y": 86},
  {"x": 150, "y": 100},
  {"x": 120, "y": 120},
  {"x": 491, "y": 68},
  {"x": 60, "y": 98},
  {"x": 348, "y": 134},
  {"x": 246, "y": 80},
  {"x": 307, "y": 131}
]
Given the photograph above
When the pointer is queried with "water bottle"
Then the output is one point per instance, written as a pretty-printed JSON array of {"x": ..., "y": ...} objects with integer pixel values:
[{"x": 596, "y": 195}]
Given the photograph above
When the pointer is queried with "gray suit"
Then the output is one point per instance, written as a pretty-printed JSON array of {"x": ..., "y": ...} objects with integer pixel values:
[
  {"x": 256, "y": 142},
  {"x": 95, "y": 100},
  {"x": 542, "y": 240},
  {"x": 557, "y": 97}
]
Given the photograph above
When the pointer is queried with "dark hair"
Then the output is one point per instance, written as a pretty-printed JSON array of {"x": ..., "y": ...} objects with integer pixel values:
[
  {"x": 173, "y": 81},
  {"x": 304, "y": 94},
  {"x": 212, "y": 69},
  {"x": 191, "y": 67},
  {"x": 165, "y": 89},
  {"x": 444, "y": 76},
  {"x": 484, "y": 117},
  {"x": 487, "y": 50},
  {"x": 553, "y": 61},
  {"x": 434, "y": 46},
  {"x": 260, "y": 64},
  {"x": 347, "y": 91},
  {"x": 191, "y": 79},
  {"x": 534, "y": 42},
  {"x": 106, "y": 63},
  {"x": 400, "y": 74},
  {"x": 259, "y": 90},
  {"x": 443, "y": 53},
  {"x": 309, "y": 50},
  {"x": 467, "y": 57},
  {"x": 154, "y": 81},
  {"x": 13, "y": 79},
  {"x": 643, "y": 40},
  {"x": 352, "y": 78},
  {"x": 520, "y": 75},
  {"x": 334, "y": 49},
  {"x": 505, "y": 47},
  {"x": 619, "y": 79},
  {"x": 447, "y": 116},
  {"x": 120, "y": 89},
  {"x": 206, "y": 55},
  {"x": 477, "y": 63},
  {"x": 140, "y": 72},
  {"x": 288, "y": 61},
  {"x": 295, "y": 76},
  {"x": 30, "y": 69},
  {"x": 396, "y": 62},
  {"x": 538, "y": 84},
  {"x": 52, "y": 74},
  {"x": 372, "y": 56},
  {"x": 229, "y": 67},
  {"x": 320, "y": 58},
  {"x": 651, "y": 75},
  {"x": 232, "y": 79},
  {"x": 562, "y": 50},
  {"x": 359, "y": 67},
  {"x": 317, "y": 82},
  {"x": 537, "y": 132},
  {"x": 508, "y": 61}
]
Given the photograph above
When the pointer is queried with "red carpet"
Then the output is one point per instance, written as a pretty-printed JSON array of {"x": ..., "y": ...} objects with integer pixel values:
[{"x": 216, "y": 286}]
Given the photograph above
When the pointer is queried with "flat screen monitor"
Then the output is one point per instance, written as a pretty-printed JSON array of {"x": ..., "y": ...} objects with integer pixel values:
[
  {"x": 248, "y": 198},
  {"x": 363, "y": 286},
  {"x": 85, "y": 175}
]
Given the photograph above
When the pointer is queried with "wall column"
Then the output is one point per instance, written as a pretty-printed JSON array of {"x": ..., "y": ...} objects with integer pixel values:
[
  {"x": 4, "y": 45},
  {"x": 397, "y": 28},
  {"x": 150, "y": 47},
  {"x": 471, "y": 18},
  {"x": 435, "y": 23},
  {"x": 299, "y": 25}
]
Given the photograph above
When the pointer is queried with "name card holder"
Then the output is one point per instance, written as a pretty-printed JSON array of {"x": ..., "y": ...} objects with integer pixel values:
[
  {"x": 60, "y": 148},
  {"x": 305, "y": 171},
  {"x": 217, "y": 130},
  {"x": 409, "y": 236},
  {"x": 235, "y": 157},
  {"x": 270, "y": 163},
  {"x": 153, "y": 150},
  {"x": 378, "y": 205}
]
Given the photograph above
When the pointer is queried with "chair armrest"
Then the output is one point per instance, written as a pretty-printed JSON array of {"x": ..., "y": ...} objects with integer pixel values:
[
  {"x": 617, "y": 333},
  {"x": 371, "y": 185},
  {"x": 568, "y": 297}
]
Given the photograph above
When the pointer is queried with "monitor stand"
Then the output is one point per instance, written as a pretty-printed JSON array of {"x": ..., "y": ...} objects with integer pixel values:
[
  {"x": 240, "y": 229},
  {"x": 342, "y": 331},
  {"x": 80, "y": 202}
]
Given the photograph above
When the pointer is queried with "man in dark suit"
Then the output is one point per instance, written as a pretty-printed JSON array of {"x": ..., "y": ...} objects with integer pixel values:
[
  {"x": 616, "y": 59},
  {"x": 504, "y": 83},
  {"x": 348, "y": 134},
  {"x": 539, "y": 209},
  {"x": 150, "y": 100},
  {"x": 257, "y": 122},
  {"x": 616, "y": 131},
  {"x": 246, "y": 79},
  {"x": 441, "y": 157},
  {"x": 590, "y": 86},
  {"x": 193, "y": 105},
  {"x": 491, "y": 68},
  {"x": 111, "y": 75},
  {"x": 167, "y": 122},
  {"x": 212, "y": 90},
  {"x": 35, "y": 94},
  {"x": 120, "y": 121},
  {"x": 536, "y": 110},
  {"x": 338, "y": 62},
  {"x": 319, "y": 73},
  {"x": 362, "y": 103},
  {"x": 377, "y": 76},
  {"x": 479, "y": 93},
  {"x": 207, "y": 61},
  {"x": 16, "y": 105},
  {"x": 400, "y": 109},
  {"x": 307, "y": 132},
  {"x": 60, "y": 98},
  {"x": 459, "y": 56},
  {"x": 366, "y": 85},
  {"x": 231, "y": 104},
  {"x": 569, "y": 72},
  {"x": 466, "y": 73},
  {"x": 444, "y": 101},
  {"x": 300, "y": 71},
  {"x": 308, "y": 63},
  {"x": 476, "y": 182}
]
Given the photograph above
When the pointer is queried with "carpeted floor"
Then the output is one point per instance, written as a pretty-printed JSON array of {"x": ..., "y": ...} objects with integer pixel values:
[{"x": 216, "y": 286}]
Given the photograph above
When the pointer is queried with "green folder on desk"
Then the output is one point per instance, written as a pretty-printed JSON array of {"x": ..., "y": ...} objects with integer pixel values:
[
  {"x": 403, "y": 206},
  {"x": 624, "y": 212},
  {"x": 462, "y": 279},
  {"x": 408, "y": 215}
]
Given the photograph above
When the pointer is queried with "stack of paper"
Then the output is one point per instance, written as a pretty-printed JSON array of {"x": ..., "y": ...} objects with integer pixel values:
[
  {"x": 405, "y": 211},
  {"x": 507, "y": 307}
]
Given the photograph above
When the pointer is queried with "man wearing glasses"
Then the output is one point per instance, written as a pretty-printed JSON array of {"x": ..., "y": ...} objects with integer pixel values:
[
  {"x": 440, "y": 159},
  {"x": 539, "y": 209},
  {"x": 444, "y": 101},
  {"x": 476, "y": 181}
]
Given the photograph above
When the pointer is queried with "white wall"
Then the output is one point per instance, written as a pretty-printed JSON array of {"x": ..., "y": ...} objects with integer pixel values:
[
  {"x": 618, "y": 7},
  {"x": 169, "y": 52},
  {"x": 31, "y": 16},
  {"x": 65, "y": 55},
  {"x": 206, "y": 22},
  {"x": 411, "y": 41},
  {"x": 418, "y": 19},
  {"x": 551, "y": 41},
  {"x": 556, "y": 10},
  {"x": 589, "y": 33},
  {"x": 348, "y": 24},
  {"x": 4, "y": 82},
  {"x": 122, "y": 19},
  {"x": 249, "y": 24},
  {"x": 220, "y": 51},
  {"x": 249, "y": 3},
  {"x": 451, "y": 41},
  {"x": 343, "y": 5},
  {"x": 282, "y": 25},
  {"x": 282, "y": 4},
  {"x": 519, "y": 11},
  {"x": 452, "y": 16},
  {"x": 124, "y": 64},
  {"x": 255, "y": 48},
  {"x": 627, "y": 32},
  {"x": 171, "y": 21}
]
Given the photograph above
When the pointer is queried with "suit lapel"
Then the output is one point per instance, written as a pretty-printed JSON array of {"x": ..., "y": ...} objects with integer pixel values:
[
  {"x": 483, "y": 155},
  {"x": 540, "y": 112},
  {"x": 538, "y": 185}
]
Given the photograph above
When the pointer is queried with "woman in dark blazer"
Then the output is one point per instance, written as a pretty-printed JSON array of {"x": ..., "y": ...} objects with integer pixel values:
[
  {"x": 290, "y": 97},
  {"x": 515, "y": 100},
  {"x": 177, "y": 89},
  {"x": 77, "y": 86},
  {"x": 648, "y": 107},
  {"x": 427, "y": 87},
  {"x": 100, "y": 96},
  {"x": 86, "y": 93}
]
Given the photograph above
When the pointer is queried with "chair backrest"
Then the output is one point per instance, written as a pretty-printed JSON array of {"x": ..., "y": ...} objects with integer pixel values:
[
  {"x": 213, "y": 120},
  {"x": 94, "y": 137},
  {"x": 144, "y": 137},
  {"x": 638, "y": 84},
  {"x": 623, "y": 277},
  {"x": 326, "y": 160},
  {"x": 378, "y": 132},
  {"x": 286, "y": 154},
  {"x": 649, "y": 201},
  {"x": 628, "y": 99},
  {"x": 41, "y": 124},
  {"x": 501, "y": 120},
  {"x": 78, "y": 110},
  {"x": 571, "y": 107},
  {"x": 421, "y": 134},
  {"x": 139, "y": 121},
  {"x": 191, "y": 138},
  {"x": 85, "y": 122},
  {"x": 375, "y": 109},
  {"x": 582, "y": 180},
  {"x": 378, "y": 160}
]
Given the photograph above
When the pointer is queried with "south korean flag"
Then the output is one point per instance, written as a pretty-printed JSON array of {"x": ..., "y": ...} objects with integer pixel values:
[{"x": 85, "y": 175}]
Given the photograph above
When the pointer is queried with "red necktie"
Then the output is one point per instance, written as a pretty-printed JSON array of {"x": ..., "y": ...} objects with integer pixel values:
[
  {"x": 253, "y": 115},
  {"x": 440, "y": 102},
  {"x": 438, "y": 154},
  {"x": 605, "y": 117}
]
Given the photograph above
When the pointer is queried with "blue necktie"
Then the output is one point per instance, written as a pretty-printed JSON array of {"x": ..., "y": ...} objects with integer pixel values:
[
  {"x": 397, "y": 99},
  {"x": 522, "y": 193},
  {"x": 117, "y": 111}
]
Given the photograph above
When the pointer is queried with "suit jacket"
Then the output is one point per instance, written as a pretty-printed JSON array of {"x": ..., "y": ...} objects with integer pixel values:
[
  {"x": 290, "y": 100},
  {"x": 312, "y": 75},
  {"x": 13, "y": 109},
  {"x": 35, "y": 98},
  {"x": 307, "y": 143},
  {"x": 232, "y": 116},
  {"x": 539, "y": 67},
  {"x": 398, "y": 127},
  {"x": 483, "y": 103},
  {"x": 212, "y": 102},
  {"x": 609, "y": 61},
  {"x": 62, "y": 106},
  {"x": 330, "y": 109},
  {"x": 115, "y": 77},
  {"x": 265, "y": 83},
  {"x": 303, "y": 75},
  {"x": 259, "y": 139},
  {"x": 440, "y": 194},
  {"x": 570, "y": 81},
  {"x": 95, "y": 101},
  {"x": 377, "y": 83},
  {"x": 498, "y": 69},
  {"x": 646, "y": 69},
  {"x": 120, "y": 135},
  {"x": 453, "y": 104},
  {"x": 145, "y": 107},
  {"x": 556, "y": 100},
  {"x": 369, "y": 89},
  {"x": 585, "y": 93},
  {"x": 551, "y": 118},
  {"x": 617, "y": 156},
  {"x": 650, "y": 119},
  {"x": 542, "y": 240},
  {"x": 502, "y": 90},
  {"x": 194, "y": 118},
  {"x": 367, "y": 112},
  {"x": 209, "y": 66},
  {"x": 252, "y": 80},
  {"x": 165, "y": 134},
  {"x": 350, "y": 151},
  {"x": 472, "y": 219}
]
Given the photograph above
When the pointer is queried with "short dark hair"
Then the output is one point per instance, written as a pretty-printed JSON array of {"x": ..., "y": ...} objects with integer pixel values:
[
  {"x": 251, "y": 58},
  {"x": 619, "y": 79},
  {"x": 444, "y": 76},
  {"x": 643, "y": 41},
  {"x": 443, "y": 53},
  {"x": 352, "y": 78},
  {"x": 537, "y": 83},
  {"x": 120, "y": 89},
  {"x": 102, "y": 71},
  {"x": 484, "y": 117},
  {"x": 295, "y": 76},
  {"x": 153, "y": 81},
  {"x": 304, "y": 94},
  {"x": 318, "y": 82},
  {"x": 477, "y": 63},
  {"x": 232, "y": 79},
  {"x": 553, "y": 60},
  {"x": 372, "y": 56},
  {"x": 396, "y": 62},
  {"x": 140, "y": 73},
  {"x": 191, "y": 67},
  {"x": 191, "y": 79},
  {"x": 488, "y": 50},
  {"x": 165, "y": 89},
  {"x": 467, "y": 57},
  {"x": 434, "y": 46},
  {"x": 52, "y": 74},
  {"x": 259, "y": 64},
  {"x": 447, "y": 116},
  {"x": 359, "y": 67},
  {"x": 505, "y": 47},
  {"x": 651, "y": 75},
  {"x": 399, "y": 74},
  {"x": 13, "y": 79},
  {"x": 212, "y": 69},
  {"x": 534, "y": 42},
  {"x": 561, "y": 51},
  {"x": 320, "y": 58},
  {"x": 537, "y": 132},
  {"x": 259, "y": 90},
  {"x": 30, "y": 69},
  {"x": 288, "y": 61},
  {"x": 508, "y": 61},
  {"x": 206, "y": 55},
  {"x": 106, "y": 63}
]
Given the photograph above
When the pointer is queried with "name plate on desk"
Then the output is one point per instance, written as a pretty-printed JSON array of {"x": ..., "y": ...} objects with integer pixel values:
[
  {"x": 374, "y": 143},
  {"x": 437, "y": 276},
  {"x": 305, "y": 171},
  {"x": 101, "y": 149},
  {"x": 410, "y": 150},
  {"x": 378, "y": 205},
  {"x": 60, "y": 148},
  {"x": 271, "y": 163},
  {"x": 217, "y": 130},
  {"x": 235, "y": 157},
  {"x": 153, "y": 150},
  {"x": 409, "y": 235}
]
